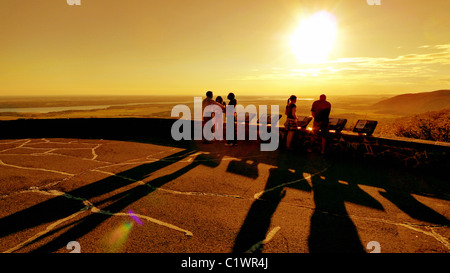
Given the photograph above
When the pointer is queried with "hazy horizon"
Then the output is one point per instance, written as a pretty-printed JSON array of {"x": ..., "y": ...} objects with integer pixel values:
[{"x": 202, "y": 94}]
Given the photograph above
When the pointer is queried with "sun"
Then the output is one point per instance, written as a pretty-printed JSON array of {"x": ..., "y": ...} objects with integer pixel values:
[{"x": 313, "y": 40}]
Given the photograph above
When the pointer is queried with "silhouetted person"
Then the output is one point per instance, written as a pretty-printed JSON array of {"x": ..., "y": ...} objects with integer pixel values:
[
  {"x": 220, "y": 100},
  {"x": 320, "y": 111},
  {"x": 232, "y": 102},
  {"x": 209, "y": 101},
  {"x": 291, "y": 124}
]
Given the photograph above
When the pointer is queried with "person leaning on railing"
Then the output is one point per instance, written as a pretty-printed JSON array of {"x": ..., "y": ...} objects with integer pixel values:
[
  {"x": 291, "y": 120},
  {"x": 320, "y": 110}
]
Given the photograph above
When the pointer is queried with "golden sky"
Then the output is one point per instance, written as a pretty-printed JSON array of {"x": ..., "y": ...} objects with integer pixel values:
[{"x": 179, "y": 47}]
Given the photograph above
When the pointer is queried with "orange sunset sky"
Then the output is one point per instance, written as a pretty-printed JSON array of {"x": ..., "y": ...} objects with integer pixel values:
[{"x": 179, "y": 47}]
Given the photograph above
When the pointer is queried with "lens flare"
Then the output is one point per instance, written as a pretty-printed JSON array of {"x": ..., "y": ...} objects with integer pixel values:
[
  {"x": 135, "y": 218},
  {"x": 116, "y": 239}
]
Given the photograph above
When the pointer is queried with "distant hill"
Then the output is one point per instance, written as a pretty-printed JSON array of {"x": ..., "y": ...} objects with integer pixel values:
[{"x": 414, "y": 103}]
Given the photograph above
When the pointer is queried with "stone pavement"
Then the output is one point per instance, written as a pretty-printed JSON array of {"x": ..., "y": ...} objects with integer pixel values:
[{"x": 125, "y": 196}]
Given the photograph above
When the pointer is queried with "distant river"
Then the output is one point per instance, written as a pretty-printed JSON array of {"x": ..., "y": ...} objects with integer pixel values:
[{"x": 62, "y": 108}]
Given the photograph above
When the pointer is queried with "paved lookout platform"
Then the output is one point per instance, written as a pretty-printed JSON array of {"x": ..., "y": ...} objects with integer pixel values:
[{"x": 123, "y": 185}]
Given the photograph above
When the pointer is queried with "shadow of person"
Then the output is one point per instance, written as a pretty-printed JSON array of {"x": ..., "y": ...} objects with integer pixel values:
[
  {"x": 332, "y": 230},
  {"x": 245, "y": 167},
  {"x": 399, "y": 187},
  {"x": 65, "y": 205},
  {"x": 257, "y": 222},
  {"x": 120, "y": 201},
  {"x": 415, "y": 209}
]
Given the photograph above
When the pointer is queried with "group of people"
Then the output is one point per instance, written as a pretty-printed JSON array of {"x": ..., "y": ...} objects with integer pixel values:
[
  {"x": 220, "y": 102},
  {"x": 320, "y": 111}
]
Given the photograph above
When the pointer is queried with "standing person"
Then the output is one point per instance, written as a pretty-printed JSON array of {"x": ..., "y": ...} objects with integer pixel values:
[
  {"x": 220, "y": 100},
  {"x": 320, "y": 111},
  {"x": 291, "y": 124},
  {"x": 232, "y": 102},
  {"x": 208, "y": 101}
]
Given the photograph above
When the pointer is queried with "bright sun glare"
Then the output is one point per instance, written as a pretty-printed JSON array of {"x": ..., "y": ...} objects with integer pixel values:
[{"x": 314, "y": 38}]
